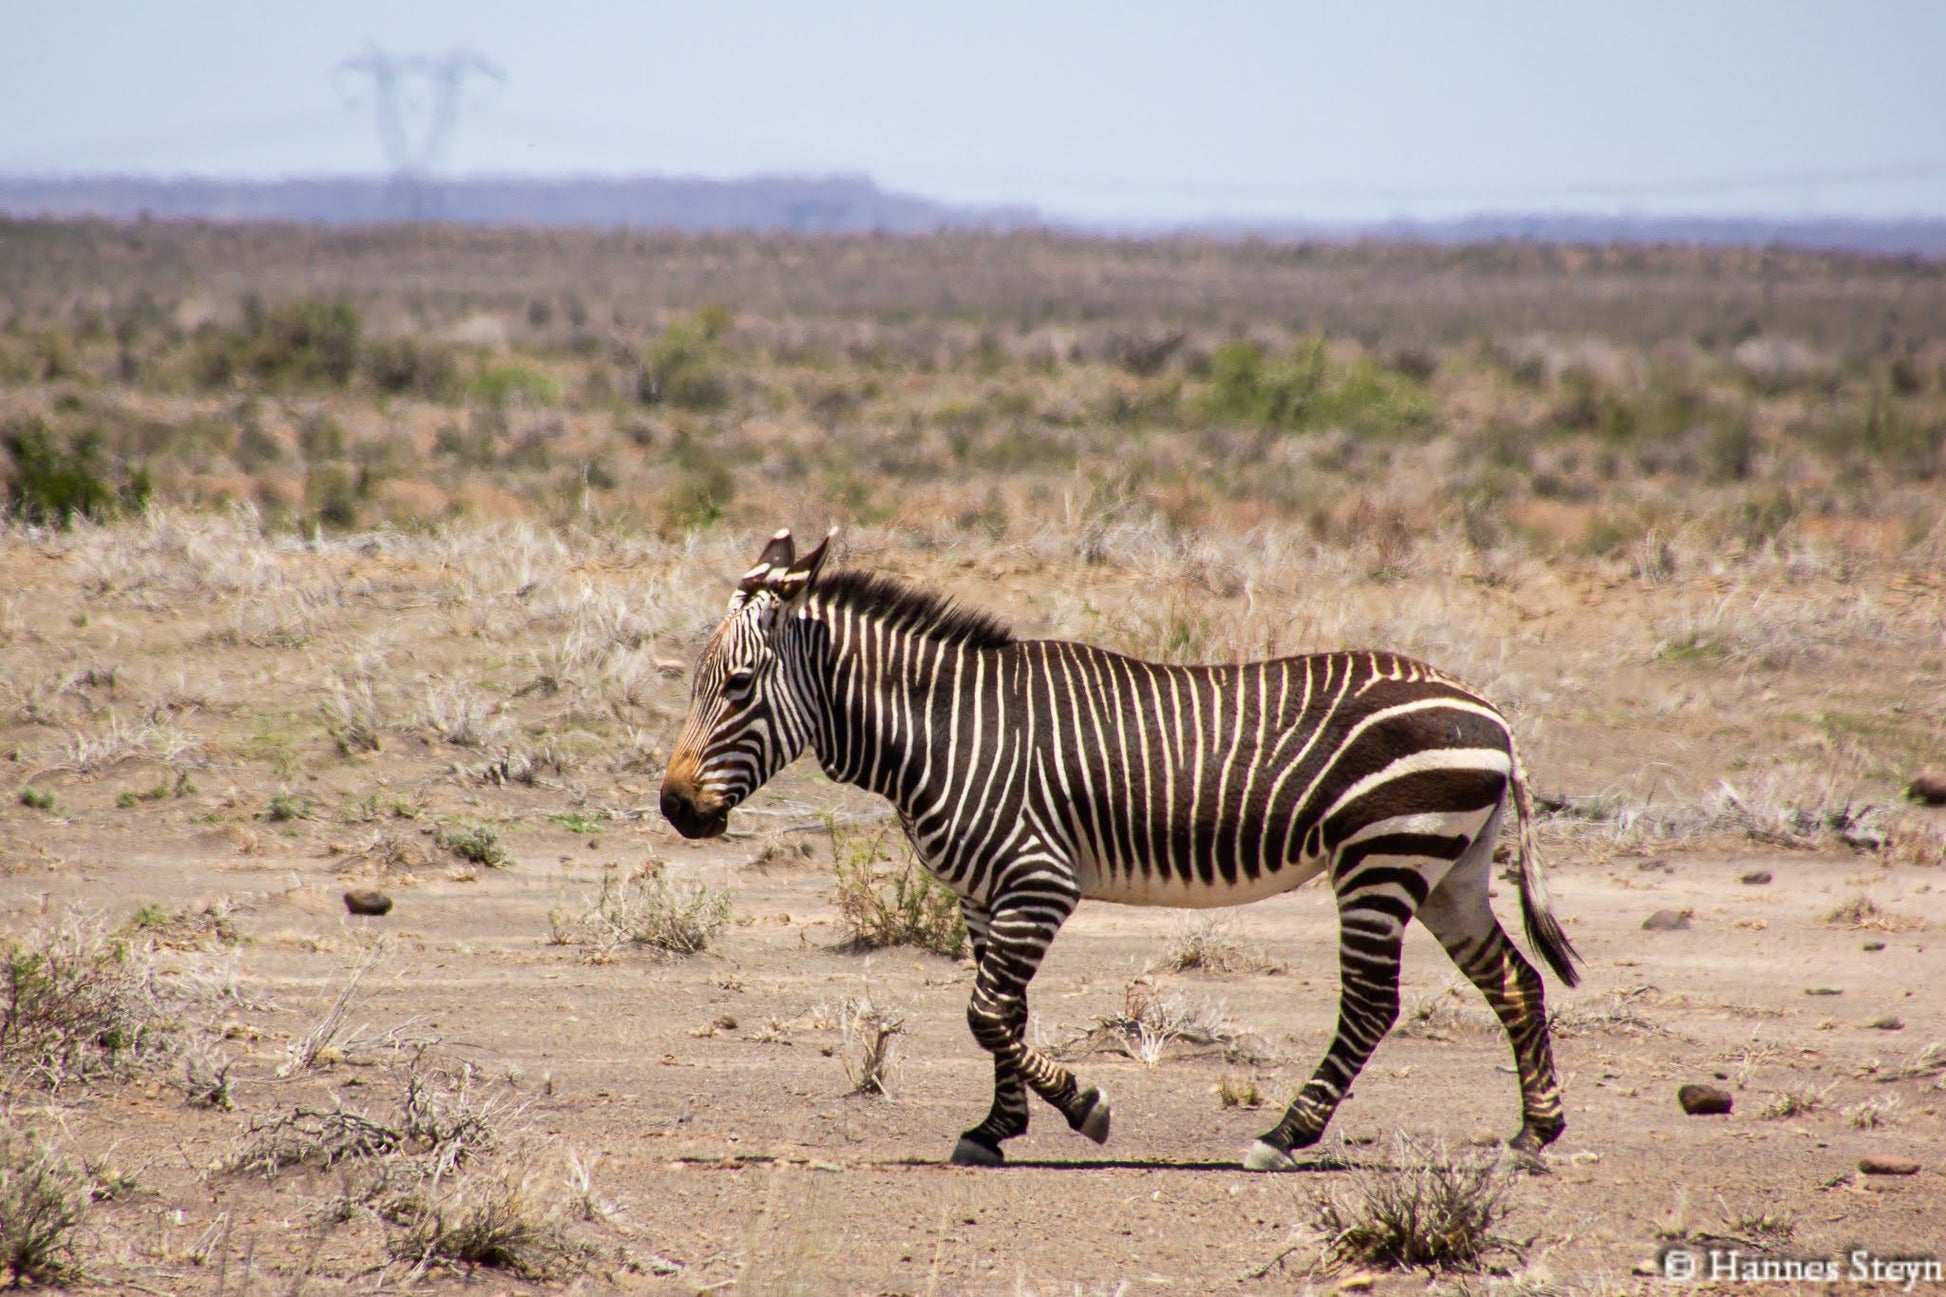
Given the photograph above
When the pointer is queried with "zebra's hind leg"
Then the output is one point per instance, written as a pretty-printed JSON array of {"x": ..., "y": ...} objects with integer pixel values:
[
  {"x": 1016, "y": 939},
  {"x": 1370, "y": 938},
  {"x": 1458, "y": 914}
]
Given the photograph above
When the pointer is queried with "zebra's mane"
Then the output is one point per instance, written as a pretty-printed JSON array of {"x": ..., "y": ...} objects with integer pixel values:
[{"x": 920, "y": 612}]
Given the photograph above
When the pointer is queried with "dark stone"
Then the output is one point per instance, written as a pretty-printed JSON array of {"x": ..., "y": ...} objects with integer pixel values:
[
  {"x": 368, "y": 900},
  {"x": 1887, "y": 1164},
  {"x": 1704, "y": 1100},
  {"x": 1928, "y": 788},
  {"x": 1873, "y": 945},
  {"x": 1756, "y": 877},
  {"x": 1666, "y": 921}
]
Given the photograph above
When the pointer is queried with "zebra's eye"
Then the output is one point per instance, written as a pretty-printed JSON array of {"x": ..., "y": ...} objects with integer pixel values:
[{"x": 739, "y": 681}]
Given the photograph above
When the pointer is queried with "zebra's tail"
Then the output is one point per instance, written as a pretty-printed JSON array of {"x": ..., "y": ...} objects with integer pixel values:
[{"x": 1536, "y": 912}]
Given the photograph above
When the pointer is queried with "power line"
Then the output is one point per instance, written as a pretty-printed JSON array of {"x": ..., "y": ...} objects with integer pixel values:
[{"x": 420, "y": 91}]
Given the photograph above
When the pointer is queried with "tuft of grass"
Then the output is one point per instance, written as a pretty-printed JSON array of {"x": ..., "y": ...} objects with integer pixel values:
[
  {"x": 1870, "y": 1114},
  {"x": 1796, "y": 1102},
  {"x": 495, "y": 1220},
  {"x": 886, "y": 899},
  {"x": 37, "y": 799},
  {"x": 1239, "y": 1092},
  {"x": 43, "y": 1201},
  {"x": 644, "y": 908},
  {"x": 471, "y": 840},
  {"x": 285, "y": 807},
  {"x": 870, "y": 1036},
  {"x": 1432, "y": 1210},
  {"x": 1209, "y": 944},
  {"x": 1861, "y": 911}
]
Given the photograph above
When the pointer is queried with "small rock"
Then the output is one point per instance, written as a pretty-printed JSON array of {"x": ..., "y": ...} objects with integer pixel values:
[
  {"x": 1822, "y": 990},
  {"x": 1887, "y": 1164},
  {"x": 1928, "y": 788},
  {"x": 1666, "y": 921},
  {"x": 1483, "y": 1139},
  {"x": 1756, "y": 877},
  {"x": 368, "y": 900},
  {"x": 1704, "y": 1100},
  {"x": 1873, "y": 945}
]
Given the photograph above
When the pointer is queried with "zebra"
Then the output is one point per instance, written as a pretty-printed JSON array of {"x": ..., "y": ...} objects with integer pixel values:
[{"x": 1031, "y": 774}]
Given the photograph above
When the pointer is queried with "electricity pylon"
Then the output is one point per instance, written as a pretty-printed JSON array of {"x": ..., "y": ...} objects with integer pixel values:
[{"x": 415, "y": 91}]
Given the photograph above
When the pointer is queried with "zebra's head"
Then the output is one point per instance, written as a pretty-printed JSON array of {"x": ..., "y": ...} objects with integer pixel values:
[{"x": 746, "y": 720}]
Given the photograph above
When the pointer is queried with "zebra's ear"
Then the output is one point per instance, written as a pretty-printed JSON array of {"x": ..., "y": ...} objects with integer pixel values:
[
  {"x": 792, "y": 583},
  {"x": 778, "y": 556}
]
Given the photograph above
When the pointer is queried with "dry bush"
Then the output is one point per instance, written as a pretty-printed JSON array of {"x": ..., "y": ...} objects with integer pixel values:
[
  {"x": 43, "y": 1201},
  {"x": 870, "y": 1035},
  {"x": 1431, "y": 1210},
  {"x": 473, "y": 841},
  {"x": 644, "y": 908},
  {"x": 443, "y": 1115},
  {"x": 1154, "y": 1024},
  {"x": 353, "y": 717},
  {"x": 1614, "y": 1014},
  {"x": 1861, "y": 911},
  {"x": 462, "y": 715},
  {"x": 885, "y": 899},
  {"x": 494, "y": 1219},
  {"x": 1444, "y": 1014},
  {"x": 1239, "y": 1092},
  {"x": 1210, "y": 944},
  {"x": 77, "y": 1000}
]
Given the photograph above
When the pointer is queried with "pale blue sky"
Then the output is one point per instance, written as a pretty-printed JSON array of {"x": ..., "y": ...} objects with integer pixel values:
[{"x": 1125, "y": 111}]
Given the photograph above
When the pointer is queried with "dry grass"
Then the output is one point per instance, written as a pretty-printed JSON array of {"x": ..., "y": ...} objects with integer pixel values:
[
  {"x": 1156, "y": 1023},
  {"x": 1210, "y": 944},
  {"x": 647, "y": 908},
  {"x": 885, "y": 899},
  {"x": 1429, "y": 1209},
  {"x": 43, "y": 1203},
  {"x": 870, "y": 1043},
  {"x": 78, "y": 1000}
]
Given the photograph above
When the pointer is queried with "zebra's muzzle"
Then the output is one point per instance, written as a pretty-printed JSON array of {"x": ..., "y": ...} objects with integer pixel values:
[{"x": 690, "y": 820}]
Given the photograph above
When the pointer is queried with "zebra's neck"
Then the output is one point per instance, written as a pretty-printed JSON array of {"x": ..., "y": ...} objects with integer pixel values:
[{"x": 898, "y": 710}]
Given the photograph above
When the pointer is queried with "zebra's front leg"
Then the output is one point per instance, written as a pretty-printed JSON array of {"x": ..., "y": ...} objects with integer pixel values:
[
  {"x": 1017, "y": 937},
  {"x": 1370, "y": 943},
  {"x": 1009, "y": 1116}
]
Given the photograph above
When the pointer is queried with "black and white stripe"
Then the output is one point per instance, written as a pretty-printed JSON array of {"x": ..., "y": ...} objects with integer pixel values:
[{"x": 1033, "y": 774}]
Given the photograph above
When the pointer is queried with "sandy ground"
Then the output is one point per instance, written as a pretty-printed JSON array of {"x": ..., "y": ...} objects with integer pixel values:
[{"x": 710, "y": 1097}]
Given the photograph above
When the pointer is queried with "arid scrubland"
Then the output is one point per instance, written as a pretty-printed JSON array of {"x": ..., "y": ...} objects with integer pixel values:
[{"x": 377, "y": 558}]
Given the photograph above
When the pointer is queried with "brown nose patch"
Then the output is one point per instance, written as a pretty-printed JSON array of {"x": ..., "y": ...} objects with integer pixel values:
[{"x": 681, "y": 775}]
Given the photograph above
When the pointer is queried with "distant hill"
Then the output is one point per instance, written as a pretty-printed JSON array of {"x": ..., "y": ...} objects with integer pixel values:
[
  {"x": 850, "y": 204},
  {"x": 835, "y": 204}
]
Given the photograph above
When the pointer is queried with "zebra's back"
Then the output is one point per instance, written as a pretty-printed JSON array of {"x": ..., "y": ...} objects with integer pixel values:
[{"x": 1214, "y": 785}]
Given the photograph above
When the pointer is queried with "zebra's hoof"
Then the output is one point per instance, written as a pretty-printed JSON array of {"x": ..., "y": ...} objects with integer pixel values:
[
  {"x": 972, "y": 1152},
  {"x": 1095, "y": 1124},
  {"x": 1268, "y": 1157}
]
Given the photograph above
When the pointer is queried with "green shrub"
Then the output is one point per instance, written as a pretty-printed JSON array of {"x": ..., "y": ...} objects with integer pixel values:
[
  {"x": 1302, "y": 392},
  {"x": 500, "y": 385},
  {"x": 74, "y": 1001},
  {"x": 685, "y": 368},
  {"x": 54, "y": 478},
  {"x": 885, "y": 899},
  {"x": 470, "y": 840},
  {"x": 43, "y": 1200}
]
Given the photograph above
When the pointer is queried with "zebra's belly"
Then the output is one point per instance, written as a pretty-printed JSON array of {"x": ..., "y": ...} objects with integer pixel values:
[{"x": 1135, "y": 887}]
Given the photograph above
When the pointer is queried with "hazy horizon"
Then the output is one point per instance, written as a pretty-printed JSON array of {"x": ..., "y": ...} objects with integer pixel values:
[{"x": 1249, "y": 112}]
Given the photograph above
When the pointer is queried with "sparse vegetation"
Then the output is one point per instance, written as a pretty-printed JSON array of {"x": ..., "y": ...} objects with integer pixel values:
[
  {"x": 644, "y": 907},
  {"x": 75, "y": 1000},
  {"x": 1430, "y": 1209},
  {"x": 474, "y": 841},
  {"x": 43, "y": 1202},
  {"x": 885, "y": 899}
]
